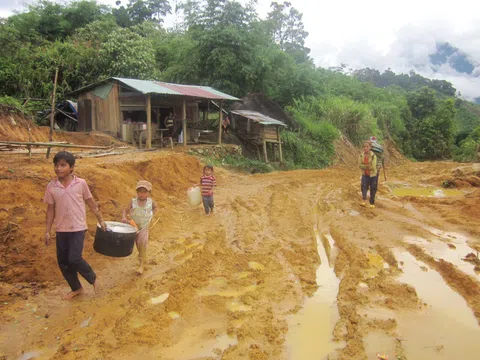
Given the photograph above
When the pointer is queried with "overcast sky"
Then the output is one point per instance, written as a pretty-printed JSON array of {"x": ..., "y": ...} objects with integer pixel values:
[{"x": 380, "y": 33}]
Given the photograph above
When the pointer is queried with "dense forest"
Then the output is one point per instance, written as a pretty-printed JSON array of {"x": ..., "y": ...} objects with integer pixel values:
[{"x": 226, "y": 45}]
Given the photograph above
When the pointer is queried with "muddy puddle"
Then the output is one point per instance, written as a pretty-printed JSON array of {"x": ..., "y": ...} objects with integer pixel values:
[
  {"x": 445, "y": 328},
  {"x": 452, "y": 248},
  {"x": 426, "y": 192},
  {"x": 310, "y": 330}
]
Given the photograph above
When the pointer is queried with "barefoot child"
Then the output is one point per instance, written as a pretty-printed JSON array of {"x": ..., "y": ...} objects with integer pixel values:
[
  {"x": 207, "y": 183},
  {"x": 368, "y": 164},
  {"x": 141, "y": 209},
  {"x": 65, "y": 198}
]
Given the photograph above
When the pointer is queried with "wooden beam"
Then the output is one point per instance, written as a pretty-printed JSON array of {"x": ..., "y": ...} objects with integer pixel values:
[
  {"x": 54, "y": 145},
  {"x": 220, "y": 121},
  {"x": 265, "y": 151},
  {"x": 52, "y": 113},
  {"x": 149, "y": 122},
  {"x": 279, "y": 144},
  {"x": 184, "y": 122}
]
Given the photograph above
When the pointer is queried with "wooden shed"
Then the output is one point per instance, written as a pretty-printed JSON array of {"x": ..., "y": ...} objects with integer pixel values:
[
  {"x": 125, "y": 107},
  {"x": 259, "y": 130}
]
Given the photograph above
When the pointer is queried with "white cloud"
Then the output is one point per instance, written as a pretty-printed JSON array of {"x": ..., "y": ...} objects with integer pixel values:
[{"x": 382, "y": 34}]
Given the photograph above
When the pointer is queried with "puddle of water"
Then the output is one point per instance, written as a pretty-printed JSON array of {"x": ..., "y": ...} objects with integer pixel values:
[
  {"x": 310, "y": 330},
  {"x": 29, "y": 355},
  {"x": 441, "y": 250},
  {"x": 427, "y": 192},
  {"x": 447, "y": 328},
  {"x": 86, "y": 322},
  {"x": 353, "y": 213},
  {"x": 377, "y": 342},
  {"x": 255, "y": 265},
  {"x": 174, "y": 315},
  {"x": 198, "y": 348},
  {"x": 159, "y": 299},
  {"x": 236, "y": 305},
  {"x": 242, "y": 275}
]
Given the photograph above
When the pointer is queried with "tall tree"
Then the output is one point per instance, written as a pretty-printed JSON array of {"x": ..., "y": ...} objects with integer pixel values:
[{"x": 287, "y": 29}]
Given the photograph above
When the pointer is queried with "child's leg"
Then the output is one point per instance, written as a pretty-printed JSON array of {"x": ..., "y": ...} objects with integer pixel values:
[
  {"x": 68, "y": 271},
  {"x": 211, "y": 204},
  {"x": 76, "y": 260},
  {"x": 141, "y": 242},
  {"x": 206, "y": 205},
  {"x": 373, "y": 189}
]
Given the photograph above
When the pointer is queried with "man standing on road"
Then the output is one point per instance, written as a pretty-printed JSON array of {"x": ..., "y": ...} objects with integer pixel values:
[{"x": 368, "y": 164}]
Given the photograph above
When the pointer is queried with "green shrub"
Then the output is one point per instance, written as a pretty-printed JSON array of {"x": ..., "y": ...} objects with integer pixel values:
[
  {"x": 10, "y": 101},
  {"x": 301, "y": 152},
  {"x": 468, "y": 148}
]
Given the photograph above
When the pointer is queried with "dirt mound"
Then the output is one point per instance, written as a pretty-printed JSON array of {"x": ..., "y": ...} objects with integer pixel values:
[
  {"x": 22, "y": 218},
  {"x": 346, "y": 153},
  {"x": 14, "y": 126}
]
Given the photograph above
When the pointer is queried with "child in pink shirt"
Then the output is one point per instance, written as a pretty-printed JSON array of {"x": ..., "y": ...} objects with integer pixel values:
[{"x": 65, "y": 198}]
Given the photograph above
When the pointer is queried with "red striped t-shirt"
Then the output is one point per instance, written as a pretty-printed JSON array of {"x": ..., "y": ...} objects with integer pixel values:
[{"x": 207, "y": 183}]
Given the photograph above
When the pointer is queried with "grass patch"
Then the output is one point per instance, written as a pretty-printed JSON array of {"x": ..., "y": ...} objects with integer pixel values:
[{"x": 240, "y": 163}]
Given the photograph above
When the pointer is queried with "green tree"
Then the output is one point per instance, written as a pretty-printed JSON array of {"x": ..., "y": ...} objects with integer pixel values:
[{"x": 127, "y": 54}]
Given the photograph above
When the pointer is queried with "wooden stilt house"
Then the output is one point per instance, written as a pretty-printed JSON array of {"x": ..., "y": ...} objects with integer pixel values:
[{"x": 260, "y": 131}]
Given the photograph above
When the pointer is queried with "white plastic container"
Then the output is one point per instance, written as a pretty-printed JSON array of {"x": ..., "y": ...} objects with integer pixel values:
[{"x": 194, "y": 196}]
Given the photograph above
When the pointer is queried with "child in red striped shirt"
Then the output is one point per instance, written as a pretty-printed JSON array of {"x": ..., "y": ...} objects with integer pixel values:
[{"x": 207, "y": 183}]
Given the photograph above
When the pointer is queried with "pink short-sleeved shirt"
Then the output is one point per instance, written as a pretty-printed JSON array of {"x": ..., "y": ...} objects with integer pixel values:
[{"x": 70, "y": 214}]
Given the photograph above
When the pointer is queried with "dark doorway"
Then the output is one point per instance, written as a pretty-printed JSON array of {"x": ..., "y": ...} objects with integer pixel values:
[{"x": 85, "y": 115}]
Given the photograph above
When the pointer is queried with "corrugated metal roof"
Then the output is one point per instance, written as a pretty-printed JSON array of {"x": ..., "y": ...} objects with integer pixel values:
[
  {"x": 258, "y": 117},
  {"x": 158, "y": 87}
]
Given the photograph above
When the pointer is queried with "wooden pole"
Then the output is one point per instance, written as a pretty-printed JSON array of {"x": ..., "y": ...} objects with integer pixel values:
[
  {"x": 265, "y": 151},
  {"x": 149, "y": 122},
  {"x": 184, "y": 122},
  {"x": 279, "y": 144},
  {"x": 53, "y": 144},
  {"x": 52, "y": 114},
  {"x": 220, "y": 120}
]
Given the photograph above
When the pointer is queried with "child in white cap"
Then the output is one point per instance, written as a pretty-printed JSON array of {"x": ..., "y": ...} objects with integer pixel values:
[{"x": 141, "y": 209}]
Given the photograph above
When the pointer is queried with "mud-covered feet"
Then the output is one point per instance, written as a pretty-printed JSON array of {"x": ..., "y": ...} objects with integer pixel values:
[
  {"x": 96, "y": 285},
  {"x": 371, "y": 206},
  {"x": 72, "y": 294},
  {"x": 363, "y": 203},
  {"x": 140, "y": 269}
]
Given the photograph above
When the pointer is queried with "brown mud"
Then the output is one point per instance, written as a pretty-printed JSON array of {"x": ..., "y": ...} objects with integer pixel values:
[{"x": 247, "y": 282}]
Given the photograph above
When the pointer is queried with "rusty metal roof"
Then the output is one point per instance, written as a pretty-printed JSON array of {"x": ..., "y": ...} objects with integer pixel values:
[
  {"x": 158, "y": 87},
  {"x": 258, "y": 117}
]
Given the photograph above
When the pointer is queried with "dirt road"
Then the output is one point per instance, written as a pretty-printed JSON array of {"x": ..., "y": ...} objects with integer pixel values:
[{"x": 289, "y": 267}]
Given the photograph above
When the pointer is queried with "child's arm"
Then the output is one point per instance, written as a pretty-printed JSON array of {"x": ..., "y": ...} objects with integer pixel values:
[
  {"x": 93, "y": 206},
  {"x": 125, "y": 212},
  {"x": 49, "y": 221},
  {"x": 154, "y": 207},
  {"x": 214, "y": 181}
]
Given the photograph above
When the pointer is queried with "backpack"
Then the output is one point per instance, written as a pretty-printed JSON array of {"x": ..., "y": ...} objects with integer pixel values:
[{"x": 377, "y": 149}]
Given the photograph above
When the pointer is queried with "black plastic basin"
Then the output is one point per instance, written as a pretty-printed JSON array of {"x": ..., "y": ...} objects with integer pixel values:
[{"x": 117, "y": 241}]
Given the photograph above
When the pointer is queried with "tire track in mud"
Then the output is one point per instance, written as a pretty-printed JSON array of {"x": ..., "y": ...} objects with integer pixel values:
[
  {"x": 243, "y": 272},
  {"x": 460, "y": 282}
]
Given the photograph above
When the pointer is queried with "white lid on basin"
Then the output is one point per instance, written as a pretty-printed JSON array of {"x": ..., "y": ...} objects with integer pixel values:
[{"x": 119, "y": 227}]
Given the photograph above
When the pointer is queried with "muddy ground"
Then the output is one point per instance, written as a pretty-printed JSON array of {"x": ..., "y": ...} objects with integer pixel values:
[{"x": 289, "y": 267}]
